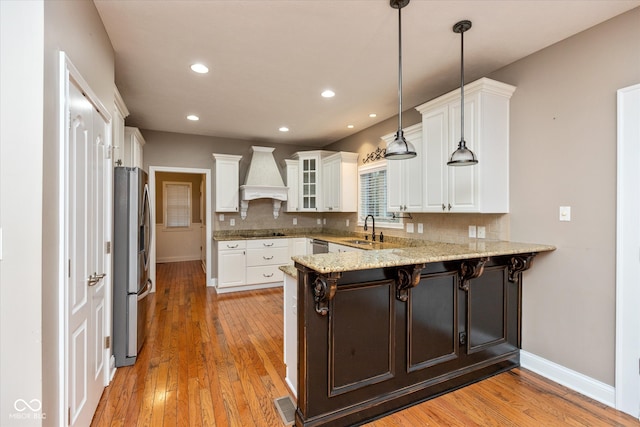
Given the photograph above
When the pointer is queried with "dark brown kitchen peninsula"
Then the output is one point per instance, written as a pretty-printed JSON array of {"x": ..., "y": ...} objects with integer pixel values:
[{"x": 382, "y": 330}]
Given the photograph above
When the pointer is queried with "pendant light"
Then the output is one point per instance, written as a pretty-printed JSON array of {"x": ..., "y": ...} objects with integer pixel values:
[
  {"x": 400, "y": 148},
  {"x": 462, "y": 156}
]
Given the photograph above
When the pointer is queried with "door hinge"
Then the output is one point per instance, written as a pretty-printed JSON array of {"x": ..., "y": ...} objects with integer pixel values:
[
  {"x": 69, "y": 416},
  {"x": 107, "y": 342},
  {"x": 107, "y": 247},
  {"x": 69, "y": 269}
]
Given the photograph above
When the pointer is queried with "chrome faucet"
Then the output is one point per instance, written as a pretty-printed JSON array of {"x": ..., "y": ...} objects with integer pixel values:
[{"x": 373, "y": 232}]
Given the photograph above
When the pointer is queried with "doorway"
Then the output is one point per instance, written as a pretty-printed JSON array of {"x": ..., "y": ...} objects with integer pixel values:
[
  {"x": 205, "y": 234},
  {"x": 627, "y": 378}
]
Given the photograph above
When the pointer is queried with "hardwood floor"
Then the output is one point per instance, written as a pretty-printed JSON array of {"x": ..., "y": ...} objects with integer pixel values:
[{"x": 216, "y": 360}]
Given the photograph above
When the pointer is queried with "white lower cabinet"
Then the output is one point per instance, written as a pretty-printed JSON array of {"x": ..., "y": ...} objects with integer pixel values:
[
  {"x": 337, "y": 248},
  {"x": 298, "y": 246},
  {"x": 264, "y": 256},
  {"x": 291, "y": 332},
  {"x": 254, "y": 263},
  {"x": 231, "y": 263}
]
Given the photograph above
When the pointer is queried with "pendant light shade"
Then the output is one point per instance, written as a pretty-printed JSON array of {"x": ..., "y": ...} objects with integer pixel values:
[
  {"x": 462, "y": 156},
  {"x": 400, "y": 148}
]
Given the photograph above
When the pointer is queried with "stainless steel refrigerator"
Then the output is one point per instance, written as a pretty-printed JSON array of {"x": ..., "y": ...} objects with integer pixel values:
[{"x": 131, "y": 250}]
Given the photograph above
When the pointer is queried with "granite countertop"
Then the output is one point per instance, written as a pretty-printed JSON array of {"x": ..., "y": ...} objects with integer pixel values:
[
  {"x": 289, "y": 269},
  {"x": 425, "y": 253}
]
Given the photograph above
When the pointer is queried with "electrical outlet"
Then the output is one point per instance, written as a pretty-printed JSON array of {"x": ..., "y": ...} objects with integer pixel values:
[
  {"x": 221, "y": 217},
  {"x": 319, "y": 221},
  {"x": 472, "y": 231},
  {"x": 347, "y": 223},
  {"x": 324, "y": 221},
  {"x": 482, "y": 232},
  {"x": 565, "y": 213},
  {"x": 420, "y": 228},
  {"x": 232, "y": 222},
  {"x": 410, "y": 227},
  {"x": 295, "y": 221}
]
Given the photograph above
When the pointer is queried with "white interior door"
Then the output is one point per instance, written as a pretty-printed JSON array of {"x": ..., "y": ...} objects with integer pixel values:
[
  {"x": 628, "y": 247},
  {"x": 85, "y": 250}
]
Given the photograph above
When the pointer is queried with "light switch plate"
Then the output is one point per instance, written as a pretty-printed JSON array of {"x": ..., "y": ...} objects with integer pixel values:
[
  {"x": 232, "y": 222},
  {"x": 221, "y": 217},
  {"x": 319, "y": 221},
  {"x": 347, "y": 222},
  {"x": 482, "y": 232},
  {"x": 410, "y": 227},
  {"x": 295, "y": 221},
  {"x": 472, "y": 231},
  {"x": 565, "y": 213},
  {"x": 420, "y": 228}
]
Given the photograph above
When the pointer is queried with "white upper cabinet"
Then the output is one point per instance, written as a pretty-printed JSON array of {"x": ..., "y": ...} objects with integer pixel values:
[
  {"x": 227, "y": 182},
  {"x": 120, "y": 112},
  {"x": 310, "y": 180},
  {"x": 483, "y": 188},
  {"x": 340, "y": 182},
  {"x": 129, "y": 153},
  {"x": 292, "y": 173},
  {"x": 405, "y": 177}
]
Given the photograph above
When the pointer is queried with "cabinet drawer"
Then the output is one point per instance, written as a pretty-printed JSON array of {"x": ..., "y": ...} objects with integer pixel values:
[
  {"x": 264, "y": 274},
  {"x": 232, "y": 244},
  {"x": 270, "y": 256},
  {"x": 267, "y": 243}
]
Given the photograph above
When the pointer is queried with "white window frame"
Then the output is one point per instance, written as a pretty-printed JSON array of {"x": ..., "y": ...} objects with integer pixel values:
[
  {"x": 368, "y": 168},
  {"x": 166, "y": 227}
]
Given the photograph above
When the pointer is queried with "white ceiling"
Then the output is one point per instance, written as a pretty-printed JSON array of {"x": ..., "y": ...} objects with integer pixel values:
[{"x": 270, "y": 59}]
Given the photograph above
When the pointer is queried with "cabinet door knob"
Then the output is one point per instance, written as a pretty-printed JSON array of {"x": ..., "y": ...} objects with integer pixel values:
[
  {"x": 443, "y": 207},
  {"x": 449, "y": 206}
]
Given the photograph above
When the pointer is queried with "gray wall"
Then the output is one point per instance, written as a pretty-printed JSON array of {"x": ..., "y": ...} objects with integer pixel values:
[
  {"x": 563, "y": 153},
  {"x": 194, "y": 151}
]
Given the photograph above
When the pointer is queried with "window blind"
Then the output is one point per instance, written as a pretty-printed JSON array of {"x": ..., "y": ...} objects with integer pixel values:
[
  {"x": 373, "y": 195},
  {"x": 177, "y": 205}
]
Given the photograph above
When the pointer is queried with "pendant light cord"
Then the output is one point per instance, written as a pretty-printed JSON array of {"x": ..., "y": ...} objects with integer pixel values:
[
  {"x": 462, "y": 141},
  {"x": 399, "y": 71}
]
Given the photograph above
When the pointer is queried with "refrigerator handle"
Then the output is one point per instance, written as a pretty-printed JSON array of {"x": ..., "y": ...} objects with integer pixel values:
[
  {"x": 147, "y": 207},
  {"x": 147, "y": 290}
]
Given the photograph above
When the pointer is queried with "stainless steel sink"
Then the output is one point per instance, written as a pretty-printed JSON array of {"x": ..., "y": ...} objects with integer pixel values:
[{"x": 361, "y": 242}]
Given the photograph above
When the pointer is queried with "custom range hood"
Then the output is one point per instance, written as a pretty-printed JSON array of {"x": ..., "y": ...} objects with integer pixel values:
[{"x": 263, "y": 181}]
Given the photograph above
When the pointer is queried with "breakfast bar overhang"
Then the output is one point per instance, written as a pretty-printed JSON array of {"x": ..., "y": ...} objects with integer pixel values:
[{"x": 382, "y": 330}]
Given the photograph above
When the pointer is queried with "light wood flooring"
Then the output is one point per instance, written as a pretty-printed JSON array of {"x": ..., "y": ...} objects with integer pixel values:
[{"x": 216, "y": 360}]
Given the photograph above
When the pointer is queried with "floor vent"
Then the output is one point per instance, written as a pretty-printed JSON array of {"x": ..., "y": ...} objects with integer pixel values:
[{"x": 286, "y": 409}]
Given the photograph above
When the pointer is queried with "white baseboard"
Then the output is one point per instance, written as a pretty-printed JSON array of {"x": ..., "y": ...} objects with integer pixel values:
[
  {"x": 576, "y": 381},
  {"x": 178, "y": 258},
  {"x": 249, "y": 287}
]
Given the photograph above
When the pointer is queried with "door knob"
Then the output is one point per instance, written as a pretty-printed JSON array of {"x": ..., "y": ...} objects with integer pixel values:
[{"x": 95, "y": 278}]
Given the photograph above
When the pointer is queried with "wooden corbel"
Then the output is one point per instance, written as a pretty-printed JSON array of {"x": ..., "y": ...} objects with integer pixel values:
[
  {"x": 470, "y": 269},
  {"x": 324, "y": 289},
  {"x": 518, "y": 264},
  {"x": 408, "y": 277}
]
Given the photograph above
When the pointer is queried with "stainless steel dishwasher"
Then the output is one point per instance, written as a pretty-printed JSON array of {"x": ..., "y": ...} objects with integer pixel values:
[{"x": 319, "y": 246}]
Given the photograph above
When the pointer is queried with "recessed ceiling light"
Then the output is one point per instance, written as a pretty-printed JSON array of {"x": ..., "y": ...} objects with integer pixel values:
[
  {"x": 328, "y": 93},
  {"x": 200, "y": 68},
  {"x": 283, "y": 129},
  {"x": 372, "y": 115},
  {"x": 350, "y": 126},
  {"x": 193, "y": 117}
]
